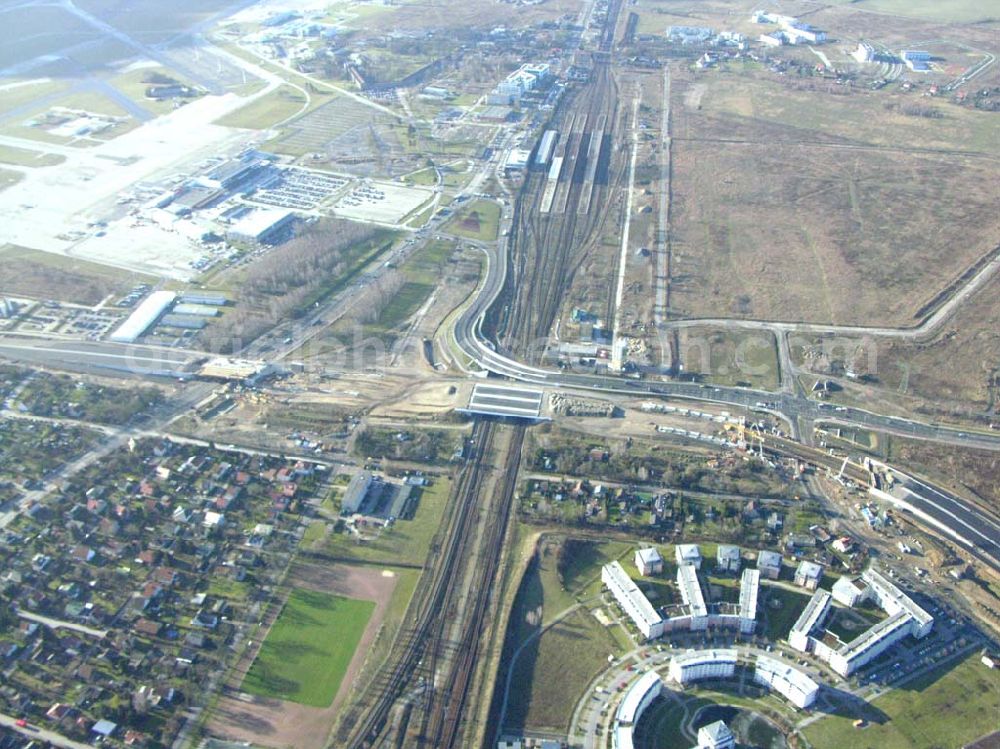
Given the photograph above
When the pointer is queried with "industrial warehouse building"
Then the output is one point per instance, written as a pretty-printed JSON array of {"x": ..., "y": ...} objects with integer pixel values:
[
  {"x": 372, "y": 496},
  {"x": 144, "y": 317},
  {"x": 789, "y": 682},
  {"x": 261, "y": 227},
  {"x": 357, "y": 490},
  {"x": 697, "y": 665},
  {"x": 204, "y": 297},
  {"x": 545, "y": 148},
  {"x": 639, "y": 696},
  {"x": 915, "y": 60},
  {"x": 632, "y": 600}
]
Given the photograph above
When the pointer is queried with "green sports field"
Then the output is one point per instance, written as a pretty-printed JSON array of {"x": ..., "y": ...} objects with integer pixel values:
[{"x": 308, "y": 649}]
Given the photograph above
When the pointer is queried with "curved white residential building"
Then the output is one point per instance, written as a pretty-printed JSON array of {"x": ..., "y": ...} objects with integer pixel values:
[
  {"x": 789, "y": 682},
  {"x": 643, "y": 691},
  {"x": 696, "y": 665}
]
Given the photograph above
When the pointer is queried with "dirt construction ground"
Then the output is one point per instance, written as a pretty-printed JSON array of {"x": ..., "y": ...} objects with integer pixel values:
[{"x": 279, "y": 723}]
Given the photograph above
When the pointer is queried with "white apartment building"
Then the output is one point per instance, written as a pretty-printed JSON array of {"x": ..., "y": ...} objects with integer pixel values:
[{"x": 632, "y": 600}]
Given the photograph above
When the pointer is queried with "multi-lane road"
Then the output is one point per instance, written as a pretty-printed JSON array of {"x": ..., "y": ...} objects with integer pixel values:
[{"x": 950, "y": 513}]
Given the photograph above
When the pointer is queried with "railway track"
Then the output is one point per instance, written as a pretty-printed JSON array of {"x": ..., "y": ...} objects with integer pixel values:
[
  {"x": 445, "y": 725},
  {"x": 431, "y": 672},
  {"x": 548, "y": 248},
  {"x": 401, "y": 669}
]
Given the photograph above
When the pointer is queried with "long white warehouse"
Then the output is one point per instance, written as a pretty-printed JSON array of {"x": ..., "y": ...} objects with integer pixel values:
[
  {"x": 643, "y": 691},
  {"x": 789, "y": 682},
  {"x": 632, "y": 600},
  {"x": 143, "y": 317},
  {"x": 690, "y": 588},
  {"x": 703, "y": 664},
  {"x": 810, "y": 620}
]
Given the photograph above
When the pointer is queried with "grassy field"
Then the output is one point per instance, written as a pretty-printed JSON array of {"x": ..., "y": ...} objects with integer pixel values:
[
  {"x": 731, "y": 358},
  {"x": 787, "y": 219},
  {"x": 308, "y": 649},
  {"x": 269, "y": 110},
  {"x": 781, "y": 618},
  {"x": 422, "y": 273},
  {"x": 409, "y": 14},
  {"x": 480, "y": 220},
  {"x": 134, "y": 83},
  {"x": 424, "y": 177},
  {"x": 849, "y": 623},
  {"x": 945, "y": 709},
  {"x": 921, "y": 376},
  {"x": 49, "y": 276},
  {"x": 25, "y": 157},
  {"x": 9, "y": 177},
  {"x": 553, "y": 670},
  {"x": 964, "y": 470},
  {"x": 91, "y": 101}
]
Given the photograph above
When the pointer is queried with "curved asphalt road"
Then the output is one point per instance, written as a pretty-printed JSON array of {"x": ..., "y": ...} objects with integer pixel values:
[{"x": 951, "y": 513}]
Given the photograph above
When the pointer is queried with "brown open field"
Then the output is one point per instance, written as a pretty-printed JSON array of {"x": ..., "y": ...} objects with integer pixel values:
[
  {"x": 960, "y": 365},
  {"x": 744, "y": 358},
  {"x": 806, "y": 204},
  {"x": 953, "y": 375},
  {"x": 425, "y": 15}
]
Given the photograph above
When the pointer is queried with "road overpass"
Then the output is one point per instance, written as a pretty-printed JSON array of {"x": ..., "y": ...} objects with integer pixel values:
[{"x": 942, "y": 509}]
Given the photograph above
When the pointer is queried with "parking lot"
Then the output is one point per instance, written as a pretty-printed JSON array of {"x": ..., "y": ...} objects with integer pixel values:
[
  {"x": 301, "y": 189},
  {"x": 382, "y": 202}
]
